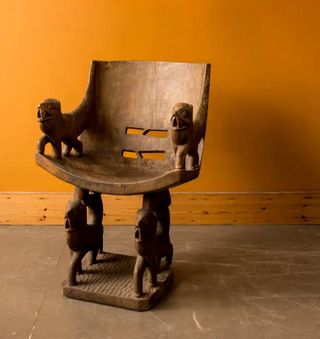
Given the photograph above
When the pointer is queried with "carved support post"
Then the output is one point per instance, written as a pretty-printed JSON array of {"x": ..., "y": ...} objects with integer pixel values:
[
  {"x": 159, "y": 203},
  {"x": 145, "y": 234},
  {"x": 94, "y": 204},
  {"x": 152, "y": 239},
  {"x": 84, "y": 229},
  {"x": 75, "y": 267}
]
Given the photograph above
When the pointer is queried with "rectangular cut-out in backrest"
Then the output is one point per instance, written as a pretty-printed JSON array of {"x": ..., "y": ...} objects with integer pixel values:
[
  {"x": 129, "y": 154},
  {"x": 157, "y": 133},
  {"x": 134, "y": 130},
  {"x": 141, "y": 94},
  {"x": 152, "y": 155}
]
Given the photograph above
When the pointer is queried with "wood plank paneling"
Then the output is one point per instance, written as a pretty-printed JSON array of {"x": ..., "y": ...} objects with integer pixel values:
[{"x": 186, "y": 208}]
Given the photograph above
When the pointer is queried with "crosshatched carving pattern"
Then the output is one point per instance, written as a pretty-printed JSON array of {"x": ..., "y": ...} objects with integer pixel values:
[{"x": 110, "y": 282}]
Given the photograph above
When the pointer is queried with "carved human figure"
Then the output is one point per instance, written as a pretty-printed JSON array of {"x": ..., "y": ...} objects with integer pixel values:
[
  {"x": 58, "y": 128},
  {"x": 163, "y": 245},
  {"x": 182, "y": 133},
  {"x": 145, "y": 244},
  {"x": 81, "y": 238},
  {"x": 159, "y": 203},
  {"x": 94, "y": 204}
]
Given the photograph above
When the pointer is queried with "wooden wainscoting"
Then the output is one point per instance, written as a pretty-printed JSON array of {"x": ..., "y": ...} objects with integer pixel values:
[{"x": 186, "y": 208}]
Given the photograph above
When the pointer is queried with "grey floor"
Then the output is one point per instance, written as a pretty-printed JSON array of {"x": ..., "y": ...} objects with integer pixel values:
[{"x": 230, "y": 282}]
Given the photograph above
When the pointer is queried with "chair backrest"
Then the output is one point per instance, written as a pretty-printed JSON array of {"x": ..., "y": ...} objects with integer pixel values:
[{"x": 130, "y": 117}]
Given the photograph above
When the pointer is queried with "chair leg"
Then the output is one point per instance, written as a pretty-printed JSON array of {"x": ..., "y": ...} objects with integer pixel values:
[
  {"x": 80, "y": 193},
  {"x": 159, "y": 203},
  {"x": 139, "y": 269},
  {"x": 74, "y": 267},
  {"x": 94, "y": 205}
]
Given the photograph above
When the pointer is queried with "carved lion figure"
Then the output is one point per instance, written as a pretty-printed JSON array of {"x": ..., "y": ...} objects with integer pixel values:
[
  {"x": 182, "y": 136},
  {"x": 81, "y": 238},
  {"x": 58, "y": 128}
]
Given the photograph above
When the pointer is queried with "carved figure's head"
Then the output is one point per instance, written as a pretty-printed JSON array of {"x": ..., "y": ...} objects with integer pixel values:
[
  {"x": 145, "y": 232},
  {"x": 48, "y": 109},
  {"x": 75, "y": 215},
  {"x": 182, "y": 123},
  {"x": 182, "y": 116}
]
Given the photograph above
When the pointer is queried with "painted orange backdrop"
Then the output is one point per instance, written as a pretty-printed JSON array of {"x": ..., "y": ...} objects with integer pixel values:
[{"x": 264, "y": 117}]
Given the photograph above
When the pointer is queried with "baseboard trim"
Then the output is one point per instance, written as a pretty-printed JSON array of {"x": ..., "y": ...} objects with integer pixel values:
[{"x": 250, "y": 208}]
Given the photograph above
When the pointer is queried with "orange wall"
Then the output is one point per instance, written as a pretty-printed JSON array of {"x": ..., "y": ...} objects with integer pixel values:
[{"x": 264, "y": 118}]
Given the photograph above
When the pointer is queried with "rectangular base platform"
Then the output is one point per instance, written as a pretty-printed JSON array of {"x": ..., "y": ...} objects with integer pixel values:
[{"x": 110, "y": 282}]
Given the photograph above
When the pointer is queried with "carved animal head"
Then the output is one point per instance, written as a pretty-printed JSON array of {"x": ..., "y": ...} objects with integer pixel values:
[
  {"x": 182, "y": 116},
  {"x": 75, "y": 215},
  {"x": 48, "y": 109},
  {"x": 145, "y": 232}
]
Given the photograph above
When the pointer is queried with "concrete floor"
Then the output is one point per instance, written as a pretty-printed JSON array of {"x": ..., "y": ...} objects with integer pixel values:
[{"x": 230, "y": 282}]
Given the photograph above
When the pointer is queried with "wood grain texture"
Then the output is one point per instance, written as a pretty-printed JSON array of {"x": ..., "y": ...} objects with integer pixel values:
[
  {"x": 124, "y": 96},
  {"x": 101, "y": 283},
  {"x": 186, "y": 208}
]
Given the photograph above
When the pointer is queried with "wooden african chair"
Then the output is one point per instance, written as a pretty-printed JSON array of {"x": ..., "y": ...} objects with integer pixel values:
[{"x": 141, "y": 129}]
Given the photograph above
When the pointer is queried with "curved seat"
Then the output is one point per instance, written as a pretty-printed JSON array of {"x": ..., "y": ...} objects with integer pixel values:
[
  {"x": 126, "y": 116},
  {"x": 100, "y": 176}
]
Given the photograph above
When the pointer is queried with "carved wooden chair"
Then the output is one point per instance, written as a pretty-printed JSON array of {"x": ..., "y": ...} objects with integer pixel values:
[{"x": 141, "y": 128}]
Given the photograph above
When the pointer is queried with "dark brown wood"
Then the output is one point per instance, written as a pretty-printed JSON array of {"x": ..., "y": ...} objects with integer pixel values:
[
  {"x": 99, "y": 175},
  {"x": 81, "y": 238},
  {"x": 124, "y": 95},
  {"x": 182, "y": 136},
  {"x": 159, "y": 203},
  {"x": 124, "y": 148},
  {"x": 58, "y": 128},
  {"x": 66, "y": 128},
  {"x": 110, "y": 282},
  {"x": 145, "y": 237}
]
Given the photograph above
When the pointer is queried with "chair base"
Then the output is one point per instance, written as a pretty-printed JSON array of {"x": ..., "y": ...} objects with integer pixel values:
[{"x": 110, "y": 282}]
